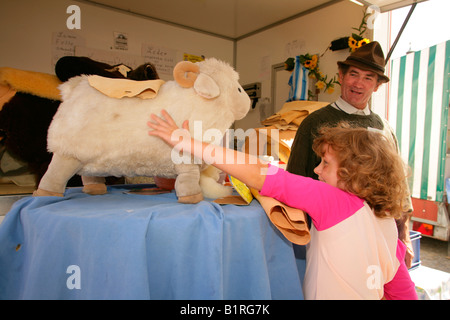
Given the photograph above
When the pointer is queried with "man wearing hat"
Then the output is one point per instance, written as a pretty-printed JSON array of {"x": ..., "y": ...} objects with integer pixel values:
[{"x": 360, "y": 75}]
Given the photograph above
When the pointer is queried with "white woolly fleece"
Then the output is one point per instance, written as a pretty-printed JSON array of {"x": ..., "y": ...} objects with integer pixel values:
[{"x": 110, "y": 136}]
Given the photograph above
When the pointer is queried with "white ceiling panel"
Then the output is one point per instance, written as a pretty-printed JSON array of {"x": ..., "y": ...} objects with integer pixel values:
[
  {"x": 226, "y": 18},
  {"x": 232, "y": 19}
]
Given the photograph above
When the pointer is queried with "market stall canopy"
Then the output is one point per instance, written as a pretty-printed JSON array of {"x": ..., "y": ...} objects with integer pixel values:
[{"x": 231, "y": 19}]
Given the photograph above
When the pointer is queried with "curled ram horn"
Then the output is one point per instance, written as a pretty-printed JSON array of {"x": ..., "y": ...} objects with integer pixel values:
[{"x": 185, "y": 73}]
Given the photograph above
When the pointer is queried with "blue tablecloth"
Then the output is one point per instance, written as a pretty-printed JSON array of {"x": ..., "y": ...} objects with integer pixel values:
[{"x": 127, "y": 246}]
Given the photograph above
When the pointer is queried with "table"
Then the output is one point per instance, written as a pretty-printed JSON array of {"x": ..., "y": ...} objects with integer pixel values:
[
  {"x": 431, "y": 284},
  {"x": 127, "y": 246}
]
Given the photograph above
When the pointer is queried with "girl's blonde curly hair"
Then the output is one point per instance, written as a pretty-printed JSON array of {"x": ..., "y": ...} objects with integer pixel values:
[{"x": 369, "y": 166}]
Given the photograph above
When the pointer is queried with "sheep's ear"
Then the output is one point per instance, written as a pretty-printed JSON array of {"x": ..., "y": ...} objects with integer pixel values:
[{"x": 206, "y": 87}]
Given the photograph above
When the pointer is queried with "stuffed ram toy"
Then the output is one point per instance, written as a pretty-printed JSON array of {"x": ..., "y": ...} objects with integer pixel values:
[{"x": 94, "y": 134}]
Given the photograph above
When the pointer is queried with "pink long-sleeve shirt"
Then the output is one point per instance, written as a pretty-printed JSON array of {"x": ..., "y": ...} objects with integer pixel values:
[{"x": 352, "y": 253}]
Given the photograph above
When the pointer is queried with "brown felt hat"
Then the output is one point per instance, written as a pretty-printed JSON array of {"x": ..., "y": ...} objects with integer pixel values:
[{"x": 369, "y": 57}]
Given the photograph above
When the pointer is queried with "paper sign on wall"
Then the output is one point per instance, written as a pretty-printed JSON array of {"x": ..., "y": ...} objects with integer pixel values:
[
  {"x": 192, "y": 58},
  {"x": 64, "y": 43},
  {"x": 164, "y": 59},
  {"x": 120, "y": 41}
]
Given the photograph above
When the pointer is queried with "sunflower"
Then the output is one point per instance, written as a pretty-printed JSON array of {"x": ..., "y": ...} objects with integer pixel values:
[
  {"x": 363, "y": 42},
  {"x": 352, "y": 43},
  {"x": 309, "y": 61},
  {"x": 308, "y": 64},
  {"x": 314, "y": 61}
]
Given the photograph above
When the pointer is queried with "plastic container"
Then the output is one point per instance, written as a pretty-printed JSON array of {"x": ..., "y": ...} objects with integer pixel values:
[{"x": 415, "y": 241}]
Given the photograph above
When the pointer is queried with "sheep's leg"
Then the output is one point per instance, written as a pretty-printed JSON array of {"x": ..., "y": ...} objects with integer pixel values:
[
  {"x": 210, "y": 185},
  {"x": 94, "y": 185},
  {"x": 54, "y": 181},
  {"x": 187, "y": 184}
]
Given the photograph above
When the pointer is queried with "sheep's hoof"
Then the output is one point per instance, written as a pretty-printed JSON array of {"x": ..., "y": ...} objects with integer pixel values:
[
  {"x": 196, "y": 198},
  {"x": 95, "y": 189},
  {"x": 45, "y": 193}
]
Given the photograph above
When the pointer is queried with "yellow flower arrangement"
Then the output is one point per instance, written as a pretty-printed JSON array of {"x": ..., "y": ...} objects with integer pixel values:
[
  {"x": 363, "y": 42},
  {"x": 352, "y": 43},
  {"x": 320, "y": 84},
  {"x": 311, "y": 62},
  {"x": 356, "y": 41}
]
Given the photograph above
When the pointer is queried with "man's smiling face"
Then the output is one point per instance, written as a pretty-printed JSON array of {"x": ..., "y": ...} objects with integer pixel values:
[{"x": 357, "y": 86}]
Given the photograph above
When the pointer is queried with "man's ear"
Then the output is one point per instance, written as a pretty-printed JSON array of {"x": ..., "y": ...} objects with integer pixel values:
[
  {"x": 379, "y": 83},
  {"x": 341, "y": 75}
]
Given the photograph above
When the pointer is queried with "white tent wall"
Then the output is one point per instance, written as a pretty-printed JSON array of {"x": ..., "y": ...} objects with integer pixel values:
[{"x": 28, "y": 27}]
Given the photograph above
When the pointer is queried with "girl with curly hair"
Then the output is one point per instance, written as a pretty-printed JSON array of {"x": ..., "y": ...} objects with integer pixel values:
[
  {"x": 368, "y": 166},
  {"x": 354, "y": 252}
]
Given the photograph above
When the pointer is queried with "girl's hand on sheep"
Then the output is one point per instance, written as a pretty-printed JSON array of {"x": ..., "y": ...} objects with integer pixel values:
[
  {"x": 253, "y": 173},
  {"x": 165, "y": 128}
]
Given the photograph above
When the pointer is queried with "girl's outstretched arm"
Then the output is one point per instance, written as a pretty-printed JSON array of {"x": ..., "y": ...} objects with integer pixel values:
[{"x": 247, "y": 168}]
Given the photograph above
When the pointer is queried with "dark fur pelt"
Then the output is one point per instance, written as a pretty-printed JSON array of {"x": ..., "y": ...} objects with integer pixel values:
[
  {"x": 68, "y": 67},
  {"x": 146, "y": 71},
  {"x": 25, "y": 119}
]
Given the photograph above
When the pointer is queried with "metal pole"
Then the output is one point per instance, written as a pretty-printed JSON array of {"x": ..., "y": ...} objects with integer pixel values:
[{"x": 413, "y": 6}]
